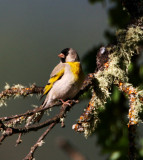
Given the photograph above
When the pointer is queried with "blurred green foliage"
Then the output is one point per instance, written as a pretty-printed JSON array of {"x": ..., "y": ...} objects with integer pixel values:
[{"x": 112, "y": 131}]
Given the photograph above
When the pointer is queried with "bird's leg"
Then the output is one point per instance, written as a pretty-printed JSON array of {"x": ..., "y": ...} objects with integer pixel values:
[
  {"x": 65, "y": 102},
  {"x": 68, "y": 102}
]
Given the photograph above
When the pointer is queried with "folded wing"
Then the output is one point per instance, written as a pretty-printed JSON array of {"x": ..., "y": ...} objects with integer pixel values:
[{"x": 56, "y": 74}]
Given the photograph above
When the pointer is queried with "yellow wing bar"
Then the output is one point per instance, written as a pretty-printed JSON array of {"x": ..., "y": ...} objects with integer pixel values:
[{"x": 52, "y": 80}]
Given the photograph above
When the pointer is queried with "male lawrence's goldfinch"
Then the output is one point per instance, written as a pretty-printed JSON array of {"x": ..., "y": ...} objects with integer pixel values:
[{"x": 65, "y": 80}]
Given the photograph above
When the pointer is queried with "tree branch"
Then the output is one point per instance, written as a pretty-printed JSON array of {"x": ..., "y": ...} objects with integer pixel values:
[{"x": 38, "y": 143}]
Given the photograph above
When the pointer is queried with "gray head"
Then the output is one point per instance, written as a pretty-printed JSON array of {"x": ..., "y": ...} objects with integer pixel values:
[{"x": 69, "y": 55}]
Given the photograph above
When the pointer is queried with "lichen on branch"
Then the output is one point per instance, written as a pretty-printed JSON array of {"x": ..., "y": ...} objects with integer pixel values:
[
  {"x": 112, "y": 68},
  {"x": 18, "y": 90}
]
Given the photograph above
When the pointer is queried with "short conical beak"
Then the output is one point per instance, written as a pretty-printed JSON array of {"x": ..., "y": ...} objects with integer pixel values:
[{"x": 61, "y": 55}]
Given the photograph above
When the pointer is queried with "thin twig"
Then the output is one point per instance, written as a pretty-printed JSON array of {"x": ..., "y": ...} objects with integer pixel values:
[
  {"x": 86, "y": 85},
  {"x": 28, "y": 113},
  {"x": 39, "y": 142},
  {"x": 22, "y": 91},
  {"x": 7, "y": 132},
  {"x": 2, "y": 138},
  {"x": 18, "y": 141},
  {"x": 56, "y": 119},
  {"x": 35, "y": 127}
]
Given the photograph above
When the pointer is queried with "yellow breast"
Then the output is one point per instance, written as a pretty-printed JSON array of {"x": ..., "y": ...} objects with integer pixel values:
[{"x": 76, "y": 70}]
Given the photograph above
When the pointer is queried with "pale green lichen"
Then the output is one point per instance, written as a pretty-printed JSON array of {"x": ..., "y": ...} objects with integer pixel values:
[
  {"x": 128, "y": 41},
  {"x": 3, "y": 103},
  {"x": 62, "y": 120},
  {"x": 119, "y": 61},
  {"x": 98, "y": 103},
  {"x": 40, "y": 143},
  {"x": 7, "y": 86},
  {"x": 18, "y": 86},
  {"x": 14, "y": 91},
  {"x": 16, "y": 121},
  {"x": 139, "y": 105}
]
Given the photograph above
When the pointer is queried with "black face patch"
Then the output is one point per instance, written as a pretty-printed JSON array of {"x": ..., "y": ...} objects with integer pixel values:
[
  {"x": 65, "y": 51},
  {"x": 63, "y": 60}
]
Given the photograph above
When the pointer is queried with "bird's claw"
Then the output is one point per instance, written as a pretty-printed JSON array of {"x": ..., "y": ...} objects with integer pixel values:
[{"x": 68, "y": 102}]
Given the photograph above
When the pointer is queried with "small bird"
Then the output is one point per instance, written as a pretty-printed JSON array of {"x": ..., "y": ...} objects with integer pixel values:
[{"x": 65, "y": 80}]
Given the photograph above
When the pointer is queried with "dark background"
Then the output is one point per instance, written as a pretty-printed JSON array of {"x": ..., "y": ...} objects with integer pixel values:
[{"x": 32, "y": 33}]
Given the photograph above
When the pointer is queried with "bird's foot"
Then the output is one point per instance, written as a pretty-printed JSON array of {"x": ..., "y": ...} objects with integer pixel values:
[{"x": 68, "y": 102}]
